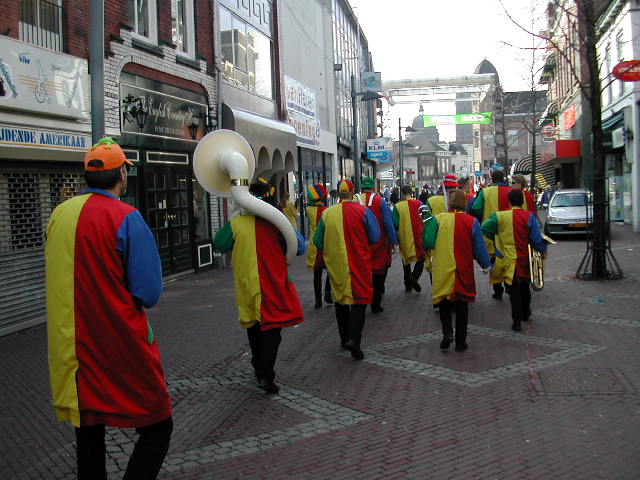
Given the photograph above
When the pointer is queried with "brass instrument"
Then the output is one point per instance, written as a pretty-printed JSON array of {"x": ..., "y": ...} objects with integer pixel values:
[
  {"x": 536, "y": 265},
  {"x": 424, "y": 212}
]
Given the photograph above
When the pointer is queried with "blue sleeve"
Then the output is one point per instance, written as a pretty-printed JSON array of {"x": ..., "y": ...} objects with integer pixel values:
[
  {"x": 387, "y": 223},
  {"x": 302, "y": 246},
  {"x": 480, "y": 252},
  {"x": 141, "y": 260},
  {"x": 371, "y": 224},
  {"x": 470, "y": 205},
  {"x": 535, "y": 236}
]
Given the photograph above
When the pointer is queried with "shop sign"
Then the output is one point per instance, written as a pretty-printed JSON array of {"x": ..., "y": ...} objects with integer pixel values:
[
  {"x": 617, "y": 138},
  {"x": 42, "y": 81},
  {"x": 379, "y": 149},
  {"x": 481, "y": 118},
  {"x": 627, "y": 71},
  {"x": 255, "y": 12},
  {"x": 169, "y": 116},
  {"x": 28, "y": 137},
  {"x": 301, "y": 111},
  {"x": 570, "y": 117},
  {"x": 371, "y": 81}
]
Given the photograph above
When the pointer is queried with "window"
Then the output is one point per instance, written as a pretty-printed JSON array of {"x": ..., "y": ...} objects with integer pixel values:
[
  {"x": 41, "y": 23},
  {"x": 245, "y": 54},
  {"x": 512, "y": 138},
  {"x": 142, "y": 16},
  {"x": 182, "y": 27}
]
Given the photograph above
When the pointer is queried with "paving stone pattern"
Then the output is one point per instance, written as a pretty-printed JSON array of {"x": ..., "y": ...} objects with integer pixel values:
[{"x": 556, "y": 401}]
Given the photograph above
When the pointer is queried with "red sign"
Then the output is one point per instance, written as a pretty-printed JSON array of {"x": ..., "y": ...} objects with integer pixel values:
[
  {"x": 569, "y": 117},
  {"x": 548, "y": 130},
  {"x": 627, "y": 71}
]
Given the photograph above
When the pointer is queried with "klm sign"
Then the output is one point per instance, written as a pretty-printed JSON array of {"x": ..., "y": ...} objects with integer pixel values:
[{"x": 23, "y": 137}]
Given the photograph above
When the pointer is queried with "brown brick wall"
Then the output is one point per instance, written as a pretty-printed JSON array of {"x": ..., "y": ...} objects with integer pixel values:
[{"x": 9, "y": 18}]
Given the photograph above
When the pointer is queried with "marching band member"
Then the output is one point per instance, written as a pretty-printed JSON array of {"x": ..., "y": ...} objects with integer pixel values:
[
  {"x": 456, "y": 239},
  {"x": 407, "y": 222},
  {"x": 317, "y": 197},
  {"x": 344, "y": 234},
  {"x": 267, "y": 300},
  {"x": 491, "y": 199},
  {"x": 518, "y": 182},
  {"x": 381, "y": 250},
  {"x": 512, "y": 231},
  {"x": 438, "y": 203}
]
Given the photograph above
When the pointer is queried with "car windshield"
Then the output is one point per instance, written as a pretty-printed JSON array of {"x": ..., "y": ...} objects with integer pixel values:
[{"x": 569, "y": 200}]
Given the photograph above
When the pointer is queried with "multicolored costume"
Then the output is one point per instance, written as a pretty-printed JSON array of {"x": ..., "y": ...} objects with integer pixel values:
[
  {"x": 317, "y": 198},
  {"x": 456, "y": 239},
  {"x": 344, "y": 233},
  {"x": 529, "y": 202},
  {"x": 381, "y": 250},
  {"x": 512, "y": 232},
  {"x": 409, "y": 226}
]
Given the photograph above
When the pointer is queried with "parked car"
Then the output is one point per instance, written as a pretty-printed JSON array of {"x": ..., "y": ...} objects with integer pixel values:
[{"x": 569, "y": 212}]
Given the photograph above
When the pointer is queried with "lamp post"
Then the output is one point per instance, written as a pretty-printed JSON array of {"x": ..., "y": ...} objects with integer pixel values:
[
  {"x": 401, "y": 148},
  {"x": 366, "y": 96}
]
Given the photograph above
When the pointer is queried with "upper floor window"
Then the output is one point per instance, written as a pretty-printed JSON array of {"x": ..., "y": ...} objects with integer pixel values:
[
  {"x": 245, "y": 54},
  {"x": 41, "y": 23},
  {"x": 182, "y": 27},
  {"x": 142, "y": 15}
]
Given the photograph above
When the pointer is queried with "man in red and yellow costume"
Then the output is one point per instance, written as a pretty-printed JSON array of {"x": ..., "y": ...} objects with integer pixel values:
[
  {"x": 518, "y": 182},
  {"x": 344, "y": 234},
  {"x": 492, "y": 199},
  {"x": 438, "y": 203},
  {"x": 267, "y": 300},
  {"x": 317, "y": 198},
  {"x": 513, "y": 231},
  {"x": 456, "y": 239},
  {"x": 381, "y": 250},
  {"x": 102, "y": 270},
  {"x": 407, "y": 222}
]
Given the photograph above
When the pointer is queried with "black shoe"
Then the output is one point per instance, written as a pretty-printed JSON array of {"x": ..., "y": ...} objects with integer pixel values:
[
  {"x": 446, "y": 341},
  {"x": 328, "y": 299},
  {"x": 344, "y": 345},
  {"x": 318, "y": 304},
  {"x": 497, "y": 296},
  {"x": 408, "y": 288},
  {"x": 461, "y": 348},
  {"x": 516, "y": 326},
  {"x": 271, "y": 388},
  {"x": 376, "y": 309},
  {"x": 416, "y": 286},
  {"x": 357, "y": 353}
]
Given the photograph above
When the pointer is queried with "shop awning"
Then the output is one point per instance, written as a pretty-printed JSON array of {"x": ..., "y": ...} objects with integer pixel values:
[
  {"x": 273, "y": 142},
  {"x": 545, "y": 172}
]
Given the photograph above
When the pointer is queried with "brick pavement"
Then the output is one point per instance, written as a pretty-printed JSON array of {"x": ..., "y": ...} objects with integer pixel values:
[{"x": 558, "y": 400}]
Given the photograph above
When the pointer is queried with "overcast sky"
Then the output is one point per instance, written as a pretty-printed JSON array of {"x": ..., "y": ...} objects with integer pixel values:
[{"x": 438, "y": 38}]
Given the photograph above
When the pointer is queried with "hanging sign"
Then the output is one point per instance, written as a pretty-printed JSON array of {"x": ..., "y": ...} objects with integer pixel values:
[
  {"x": 483, "y": 118},
  {"x": 627, "y": 71},
  {"x": 379, "y": 149}
]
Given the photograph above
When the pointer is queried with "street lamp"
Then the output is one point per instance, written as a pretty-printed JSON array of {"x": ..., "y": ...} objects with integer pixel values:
[
  {"x": 366, "y": 96},
  {"x": 401, "y": 148}
]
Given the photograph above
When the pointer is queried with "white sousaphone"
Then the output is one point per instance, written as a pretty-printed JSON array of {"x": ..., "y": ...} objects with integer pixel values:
[{"x": 224, "y": 164}]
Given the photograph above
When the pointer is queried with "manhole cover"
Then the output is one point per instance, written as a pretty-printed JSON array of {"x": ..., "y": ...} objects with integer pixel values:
[{"x": 585, "y": 381}]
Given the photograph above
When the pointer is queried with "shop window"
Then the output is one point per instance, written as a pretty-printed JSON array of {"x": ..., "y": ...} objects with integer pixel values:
[
  {"x": 41, "y": 23},
  {"x": 245, "y": 55},
  {"x": 183, "y": 27},
  {"x": 201, "y": 222},
  {"x": 142, "y": 16}
]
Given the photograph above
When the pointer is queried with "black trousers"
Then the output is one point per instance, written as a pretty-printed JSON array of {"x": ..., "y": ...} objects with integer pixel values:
[
  {"x": 520, "y": 299},
  {"x": 378, "y": 287},
  {"x": 146, "y": 459},
  {"x": 461, "y": 310},
  {"x": 350, "y": 320},
  {"x": 317, "y": 285},
  {"x": 264, "y": 351},
  {"x": 417, "y": 271}
]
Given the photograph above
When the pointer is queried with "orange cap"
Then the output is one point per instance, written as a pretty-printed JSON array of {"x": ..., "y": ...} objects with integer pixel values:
[{"x": 108, "y": 154}]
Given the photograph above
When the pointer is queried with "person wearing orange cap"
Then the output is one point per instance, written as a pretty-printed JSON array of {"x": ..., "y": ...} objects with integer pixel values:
[
  {"x": 407, "y": 222},
  {"x": 492, "y": 199},
  {"x": 344, "y": 234},
  {"x": 102, "y": 271},
  {"x": 317, "y": 198}
]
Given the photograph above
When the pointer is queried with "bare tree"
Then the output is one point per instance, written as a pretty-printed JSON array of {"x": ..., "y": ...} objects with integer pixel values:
[{"x": 575, "y": 44}]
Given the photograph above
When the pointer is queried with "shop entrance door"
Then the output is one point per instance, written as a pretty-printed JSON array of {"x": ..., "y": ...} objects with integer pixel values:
[{"x": 167, "y": 199}]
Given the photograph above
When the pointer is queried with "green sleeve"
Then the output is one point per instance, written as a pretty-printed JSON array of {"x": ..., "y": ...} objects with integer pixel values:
[
  {"x": 223, "y": 241},
  {"x": 490, "y": 227},
  {"x": 477, "y": 210},
  {"x": 396, "y": 218},
  {"x": 318, "y": 238},
  {"x": 430, "y": 234}
]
